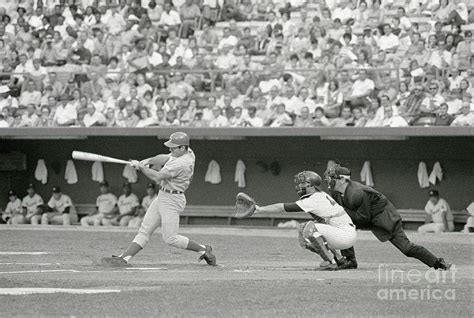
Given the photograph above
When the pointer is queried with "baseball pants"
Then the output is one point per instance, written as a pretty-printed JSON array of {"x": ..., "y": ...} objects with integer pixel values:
[
  {"x": 165, "y": 210},
  {"x": 92, "y": 220},
  {"x": 338, "y": 237},
  {"x": 431, "y": 227}
]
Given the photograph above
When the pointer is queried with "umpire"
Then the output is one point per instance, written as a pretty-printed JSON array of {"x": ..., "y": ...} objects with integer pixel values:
[{"x": 371, "y": 210}]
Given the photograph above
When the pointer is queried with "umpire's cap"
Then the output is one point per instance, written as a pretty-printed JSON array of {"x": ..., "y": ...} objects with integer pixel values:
[
  {"x": 177, "y": 139},
  {"x": 337, "y": 171}
]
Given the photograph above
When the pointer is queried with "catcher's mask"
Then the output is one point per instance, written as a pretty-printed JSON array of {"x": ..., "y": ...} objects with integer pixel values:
[
  {"x": 305, "y": 180},
  {"x": 334, "y": 173}
]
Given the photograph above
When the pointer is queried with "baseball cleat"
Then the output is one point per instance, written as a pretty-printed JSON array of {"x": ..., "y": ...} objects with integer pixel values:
[
  {"x": 346, "y": 264},
  {"x": 441, "y": 264},
  {"x": 327, "y": 266},
  {"x": 114, "y": 261},
  {"x": 208, "y": 256}
]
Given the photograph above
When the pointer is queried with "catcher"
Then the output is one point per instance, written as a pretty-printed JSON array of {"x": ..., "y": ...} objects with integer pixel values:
[{"x": 332, "y": 228}]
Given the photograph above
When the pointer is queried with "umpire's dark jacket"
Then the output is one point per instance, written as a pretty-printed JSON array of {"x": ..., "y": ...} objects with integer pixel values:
[{"x": 369, "y": 209}]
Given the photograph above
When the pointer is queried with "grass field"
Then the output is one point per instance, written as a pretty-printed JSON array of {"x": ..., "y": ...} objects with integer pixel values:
[{"x": 263, "y": 273}]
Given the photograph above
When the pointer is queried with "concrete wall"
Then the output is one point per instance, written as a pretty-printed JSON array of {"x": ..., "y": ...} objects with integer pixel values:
[{"x": 394, "y": 166}]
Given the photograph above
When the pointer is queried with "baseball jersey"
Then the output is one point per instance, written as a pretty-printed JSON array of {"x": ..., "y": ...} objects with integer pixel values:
[
  {"x": 436, "y": 210},
  {"x": 146, "y": 202},
  {"x": 31, "y": 203},
  {"x": 323, "y": 206},
  {"x": 181, "y": 170},
  {"x": 13, "y": 208},
  {"x": 127, "y": 203},
  {"x": 105, "y": 203},
  {"x": 61, "y": 204}
]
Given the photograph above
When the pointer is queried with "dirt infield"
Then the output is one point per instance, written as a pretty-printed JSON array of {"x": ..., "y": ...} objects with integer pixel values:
[{"x": 263, "y": 273}]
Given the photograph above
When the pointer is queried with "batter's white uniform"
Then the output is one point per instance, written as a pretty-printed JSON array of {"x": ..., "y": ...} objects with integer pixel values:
[
  {"x": 146, "y": 202},
  {"x": 339, "y": 231},
  {"x": 169, "y": 203}
]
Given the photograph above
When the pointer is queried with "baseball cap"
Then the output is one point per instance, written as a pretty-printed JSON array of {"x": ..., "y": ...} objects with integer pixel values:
[
  {"x": 177, "y": 139},
  {"x": 30, "y": 186},
  {"x": 56, "y": 189},
  {"x": 127, "y": 185},
  {"x": 433, "y": 193},
  {"x": 11, "y": 192},
  {"x": 104, "y": 184},
  {"x": 150, "y": 185}
]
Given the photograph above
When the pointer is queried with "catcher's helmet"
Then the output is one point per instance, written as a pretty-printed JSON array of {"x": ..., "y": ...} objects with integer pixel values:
[
  {"x": 335, "y": 172},
  {"x": 306, "y": 179},
  {"x": 177, "y": 139}
]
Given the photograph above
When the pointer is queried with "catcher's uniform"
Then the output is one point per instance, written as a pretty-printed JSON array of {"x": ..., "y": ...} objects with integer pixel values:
[
  {"x": 169, "y": 203},
  {"x": 338, "y": 229}
]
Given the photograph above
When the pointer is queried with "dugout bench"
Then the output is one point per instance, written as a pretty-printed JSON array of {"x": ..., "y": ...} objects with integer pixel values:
[{"x": 223, "y": 215}]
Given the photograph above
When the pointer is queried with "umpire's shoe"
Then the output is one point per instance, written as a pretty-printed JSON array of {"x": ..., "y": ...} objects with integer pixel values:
[
  {"x": 208, "y": 256},
  {"x": 441, "y": 264},
  {"x": 346, "y": 264},
  {"x": 114, "y": 261}
]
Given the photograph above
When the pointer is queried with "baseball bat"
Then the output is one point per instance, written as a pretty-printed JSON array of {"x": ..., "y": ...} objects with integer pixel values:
[{"x": 87, "y": 156}]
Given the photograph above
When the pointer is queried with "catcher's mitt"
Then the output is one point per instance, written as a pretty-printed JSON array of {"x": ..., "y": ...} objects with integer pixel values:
[{"x": 244, "y": 205}]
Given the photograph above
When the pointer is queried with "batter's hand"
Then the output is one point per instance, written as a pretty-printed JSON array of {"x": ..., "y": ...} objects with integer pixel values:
[{"x": 135, "y": 164}]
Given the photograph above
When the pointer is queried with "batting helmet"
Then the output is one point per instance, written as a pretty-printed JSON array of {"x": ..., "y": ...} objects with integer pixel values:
[
  {"x": 305, "y": 180},
  {"x": 177, "y": 139}
]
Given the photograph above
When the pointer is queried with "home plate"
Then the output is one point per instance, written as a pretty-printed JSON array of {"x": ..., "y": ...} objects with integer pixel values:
[{"x": 30, "y": 291}]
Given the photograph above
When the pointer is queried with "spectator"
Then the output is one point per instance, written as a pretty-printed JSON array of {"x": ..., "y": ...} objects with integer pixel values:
[
  {"x": 438, "y": 215},
  {"x": 29, "y": 94},
  {"x": 31, "y": 205},
  {"x": 320, "y": 120},
  {"x": 58, "y": 210},
  {"x": 105, "y": 208},
  {"x": 333, "y": 100},
  {"x": 169, "y": 19},
  {"x": 465, "y": 118},
  {"x": 218, "y": 120},
  {"x": 442, "y": 116},
  {"x": 127, "y": 205},
  {"x": 280, "y": 117},
  {"x": 3, "y": 122},
  {"x": 359, "y": 118},
  {"x": 304, "y": 119},
  {"x": 345, "y": 119},
  {"x": 391, "y": 120},
  {"x": 13, "y": 213},
  {"x": 66, "y": 113},
  {"x": 93, "y": 117},
  {"x": 361, "y": 90},
  {"x": 189, "y": 13},
  {"x": 29, "y": 118},
  {"x": 45, "y": 119}
]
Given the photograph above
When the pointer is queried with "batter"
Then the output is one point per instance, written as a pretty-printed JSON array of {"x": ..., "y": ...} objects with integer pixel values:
[{"x": 174, "y": 178}]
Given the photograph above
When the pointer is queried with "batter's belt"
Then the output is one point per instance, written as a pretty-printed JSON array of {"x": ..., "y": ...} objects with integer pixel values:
[{"x": 171, "y": 191}]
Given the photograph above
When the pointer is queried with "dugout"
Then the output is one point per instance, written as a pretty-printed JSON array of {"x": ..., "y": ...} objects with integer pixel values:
[{"x": 394, "y": 154}]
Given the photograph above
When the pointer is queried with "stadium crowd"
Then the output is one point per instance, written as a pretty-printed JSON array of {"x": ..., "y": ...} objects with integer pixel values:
[{"x": 254, "y": 63}]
